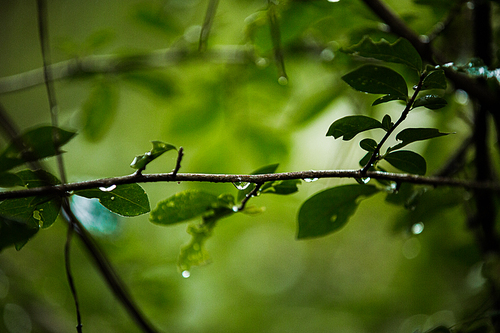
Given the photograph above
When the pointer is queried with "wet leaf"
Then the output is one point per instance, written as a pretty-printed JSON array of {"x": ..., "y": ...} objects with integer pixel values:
[
  {"x": 39, "y": 144},
  {"x": 432, "y": 102},
  {"x": 410, "y": 135},
  {"x": 434, "y": 80},
  {"x": 99, "y": 110},
  {"x": 377, "y": 80},
  {"x": 329, "y": 210},
  {"x": 39, "y": 211},
  {"x": 182, "y": 206},
  {"x": 37, "y": 178},
  {"x": 194, "y": 253},
  {"x": 407, "y": 161},
  {"x": 401, "y": 51},
  {"x": 282, "y": 187},
  {"x": 158, "y": 149},
  {"x": 15, "y": 233},
  {"x": 348, "y": 127},
  {"x": 388, "y": 98},
  {"x": 125, "y": 200}
]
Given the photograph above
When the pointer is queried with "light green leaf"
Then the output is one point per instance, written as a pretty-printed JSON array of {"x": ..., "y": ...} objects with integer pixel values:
[
  {"x": 388, "y": 98},
  {"x": 407, "y": 161},
  {"x": 16, "y": 233},
  {"x": 99, "y": 110},
  {"x": 377, "y": 80},
  {"x": 182, "y": 206},
  {"x": 368, "y": 144},
  {"x": 401, "y": 51},
  {"x": 348, "y": 127},
  {"x": 158, "y": 149},
  {"x": 410, "y": 135},
  {"x": 126, "y": 200},
  {"x": 157, "y": 83},
  {"x": 432, "y": 102},
  {"x": 39, "y": 144},
  {"x": 434, "y": 80},
  {"x": 329, "y": 210},
  {"x": 194, "y": 253}
]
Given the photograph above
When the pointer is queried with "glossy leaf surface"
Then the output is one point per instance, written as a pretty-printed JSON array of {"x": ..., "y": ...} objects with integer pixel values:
[
  {"x": 39, "y": 144},
  {"x": 158, "y": 149},
  {"x": 126, "y": 200},
  {"x": 401, "y": 51},
  {"x": 182, "y": 206},
  {"x": 434, "y": 80},
  {"x": 410, "y": 135},
  {"x": 432, "y": 102},
  {"x": 348, "y": 127},
  {"x": 388, "y": 98},
  {"x": 377, "y": 80},
  {"x": 330, "y": 210},
  {"x": 407, "y": 161}
]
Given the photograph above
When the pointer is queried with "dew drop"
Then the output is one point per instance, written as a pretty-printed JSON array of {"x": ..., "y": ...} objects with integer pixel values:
[
  {"x": 261, "y": 62},
  {"x": 235, "y": 209},
  {"x": 112, "y": 198},
  {"x": 310, "y": 180},
  {"x": 241, "y": 185},
  {"x": 417, "y": 228},
  {"x": 108, "y": 189},
  {"x": 363, "y": 180},
  {"x": 186, "y": 274},
  {"x": 283, "y": 80}
]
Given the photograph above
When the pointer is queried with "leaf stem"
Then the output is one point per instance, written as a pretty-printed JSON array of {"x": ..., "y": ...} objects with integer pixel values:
[
  {"x": 180, "y": 154},
  {"x": 247, "y": 197},
  {"x": 403, "y": 116}
]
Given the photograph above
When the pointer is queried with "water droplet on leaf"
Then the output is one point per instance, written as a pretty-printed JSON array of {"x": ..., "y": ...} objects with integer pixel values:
[
  {"x": 108, "y": 189},
  {"x": 241, "y": 185},
  {"x": 283, "y": 80},
  {"x": 235, "y": 209},
  {"x": 185, "y": 274},
  {"x": 417, "y": 228},
  {"x": 112, "y": 198}
]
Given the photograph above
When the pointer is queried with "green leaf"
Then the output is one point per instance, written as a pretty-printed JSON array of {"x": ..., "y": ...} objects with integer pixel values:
[
  {"x": 434, "y": 80},
  {"x": 182, "y": 206},
  {"x": 388, "y": 98},
  {"x": 157, "y": 83},
  {"x": 37, "y": 178},
  {"x": 39, "y": 144},
  {"x": 377, "y": 80},
  {"x": 126, "y": 200},
  {"x": 410, "y": 135},
  {"x": 8, "y": 179},
  {"x": 432, "y": 102},
  {"x": 407, "y": 161},
  {"x": 368, "y": 144},
  {"x": 348, "y": 127},
  {"x": 401, "y": 51},
  {"x": 364, "y": 161},
  {"x": 158, "y": 149},
  {"x": 16, "y": 233},
  {"x": 387, "y": 123},
  {"x": 329, "y": 210},
  {"x": 99, "y": 110},
  {"x": 261, "y": 171},
  {"x": 194, "y": 253},
  {"x": 282, "y": 187}
]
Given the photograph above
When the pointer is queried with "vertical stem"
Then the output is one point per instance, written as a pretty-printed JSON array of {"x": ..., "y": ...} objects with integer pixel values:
[
  {"x": 276, "y": 39},
  {"x": 207, "y": 24}
]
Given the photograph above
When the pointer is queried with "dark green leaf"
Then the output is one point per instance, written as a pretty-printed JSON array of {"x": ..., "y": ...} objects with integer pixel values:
[
  {"x": 410, "y": 135},
  {"x": 432, "y": 102},
  {"x": 281, "y": 186},
  {"x": 157, "y": 83},
  {"x": 126, "y": 200},
  {"x": 387, "y": 98},
  {"x": 8, "y": 179},
  {"x": 434, "y": 80},
  {"x": 263, "y": 170},
  {"x": 328, "y": 211},
  {"x": 158, "y": 149},
  {"x": 39, "y": 144},
  {"x": 16, "y": 233},
  {"x": 37, "y": 178},
  {"x": 99, "y": 110},
  {"x": 387, "y": 123},
  {"x": 182, "y": 206},
  {"x": 401, "y": 52},
  {"x": 377, "y": 80},
  {"x": 364, "y": 161},
  {"x": 40, "y": 211},
  {"x": 407, "y": 161},
  {"x": 348, "y": 127},
  {"x": 368, "y": 144}
]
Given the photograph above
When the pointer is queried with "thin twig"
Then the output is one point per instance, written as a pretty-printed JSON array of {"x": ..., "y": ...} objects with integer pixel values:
[
  {"x": 276, "y": 39},
  {"x": 403, "y": 116},
  {"x": 247, "y": 197},
  {"x": 69, "y": 276},
  {"x": 180, "y": 154},
  {"x": 207, "y": 24}
]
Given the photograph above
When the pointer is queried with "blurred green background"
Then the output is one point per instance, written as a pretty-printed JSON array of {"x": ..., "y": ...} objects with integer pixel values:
[{"x": 375, "y": 275}]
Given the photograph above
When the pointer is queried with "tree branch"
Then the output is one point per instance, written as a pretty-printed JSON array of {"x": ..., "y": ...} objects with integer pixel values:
[{"x": 65, "y": 189}]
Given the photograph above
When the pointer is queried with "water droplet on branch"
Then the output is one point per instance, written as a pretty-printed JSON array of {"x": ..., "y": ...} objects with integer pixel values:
[
  {"x": 310, "y": 180},
  {"x": 241, "y": 185},
  {"x": 185, "y": 274},
  {"x": 108, "y": 189}
]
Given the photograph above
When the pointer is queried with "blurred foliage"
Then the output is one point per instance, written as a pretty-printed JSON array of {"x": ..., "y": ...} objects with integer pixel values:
[{"x": 408, "y": 267}]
